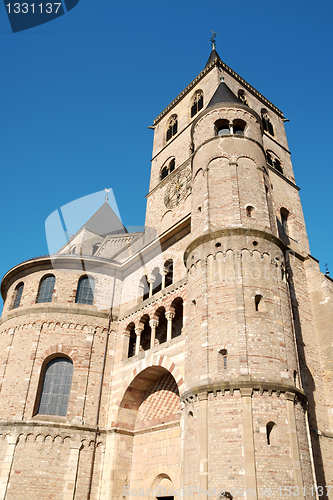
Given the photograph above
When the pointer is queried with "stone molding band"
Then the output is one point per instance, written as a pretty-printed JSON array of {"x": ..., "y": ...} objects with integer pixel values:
[
  {"x": 245, "y": 386},
  {"x": 232, "y": 231}
]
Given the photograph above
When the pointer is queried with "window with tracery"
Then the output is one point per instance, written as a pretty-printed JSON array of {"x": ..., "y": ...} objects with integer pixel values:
[
  {"x": 197, "y": 103},
  {"x": 172, "y": 128},
  {"x": 168, "y": 169},
  {"x": 267, "y": 124},
  {"x": 274, "y": 161}
]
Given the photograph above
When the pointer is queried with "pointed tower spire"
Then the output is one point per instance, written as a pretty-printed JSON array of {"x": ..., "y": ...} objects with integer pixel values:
[{"x": 213, "y": 55}]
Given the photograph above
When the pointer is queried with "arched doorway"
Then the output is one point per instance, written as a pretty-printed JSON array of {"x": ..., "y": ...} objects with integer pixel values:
[{"x": 149, "y": 430}]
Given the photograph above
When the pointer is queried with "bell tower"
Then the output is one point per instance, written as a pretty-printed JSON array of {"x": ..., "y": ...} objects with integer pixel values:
[{"x": 221, "y": 160}]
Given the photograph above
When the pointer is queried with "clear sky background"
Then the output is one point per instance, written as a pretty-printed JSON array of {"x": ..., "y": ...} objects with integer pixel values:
[{"x": 78, "y": 94}]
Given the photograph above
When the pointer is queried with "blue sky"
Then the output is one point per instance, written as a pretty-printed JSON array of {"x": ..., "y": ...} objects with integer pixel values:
[{"x": 78, "y": 95}]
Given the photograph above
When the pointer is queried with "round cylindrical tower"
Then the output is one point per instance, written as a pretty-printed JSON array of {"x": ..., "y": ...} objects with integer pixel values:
[
  {"x": 53, "y": 340},
  {"x": 241, "y": 359}
]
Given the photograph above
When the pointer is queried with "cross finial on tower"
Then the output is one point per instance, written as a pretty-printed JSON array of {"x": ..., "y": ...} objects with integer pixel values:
[
  {"x": 327, "y": 271},
  {"x": 107, "y": 192},
  {"x": 213, "y": 40}
]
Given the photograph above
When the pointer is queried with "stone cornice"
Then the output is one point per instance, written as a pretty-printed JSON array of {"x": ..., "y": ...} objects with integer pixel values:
[
  {"x": 56, "y": 424},
  {"x": 47, "y": 309},
  {"x": 239, "y": 385},
  {"x": 232, "y": 231}
]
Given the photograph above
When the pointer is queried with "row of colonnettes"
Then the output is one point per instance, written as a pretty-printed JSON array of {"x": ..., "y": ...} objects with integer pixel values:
[{"x": 152, "y": 330}]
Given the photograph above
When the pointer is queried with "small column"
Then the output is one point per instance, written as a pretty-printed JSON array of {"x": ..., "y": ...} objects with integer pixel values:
[
  {"x": 6, "y": 465},
  {"x": 290, "y": 403},
  {"x": 71, "y": 474},
  {"x": 249, "y": 451},
  {"x": 164, "y": 272},
  {"x": 153, "y": 323},
  {"x": 151, "y": 280},
  {"x": 169, "y": 316},
  {"x": 138, "y": 332},
  {"x": 203, "y": 444}
]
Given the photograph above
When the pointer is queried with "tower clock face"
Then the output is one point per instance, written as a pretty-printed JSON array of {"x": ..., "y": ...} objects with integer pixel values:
[{"x": 178, "y": 188}]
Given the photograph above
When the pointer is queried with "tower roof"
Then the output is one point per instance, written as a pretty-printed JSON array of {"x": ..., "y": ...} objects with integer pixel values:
[
  {"x": 213, "y": 55},
  {"x": 104, "y": 222},
  {"x": 213, "y": 61},
  {"x": 223, "y": 94}
]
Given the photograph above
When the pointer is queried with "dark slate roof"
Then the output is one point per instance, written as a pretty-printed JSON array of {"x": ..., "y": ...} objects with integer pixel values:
[
  {"x": 104, "y": 222},
  {"x": 223, "y": 94},
  {"x": 213, "y": 55}
]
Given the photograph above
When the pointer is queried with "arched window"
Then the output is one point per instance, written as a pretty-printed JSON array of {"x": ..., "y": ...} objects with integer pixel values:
[
  {"x": 277, "y": 165},
  {"x": 239, "y": 127},
  {"x": 17, "y": 295},
  {"x": 46, "y": 287},
  {"x": 177, "y": 322},
  {"x": 197, "y": 103},
  {"x": 145, "y": 334},
  {"x": 164, "y": 173},
  {"x": 144, "y": 287},
  {"x": 95, "y": 248},
  {"x": 267, "y": 124},
  {"x": 157, "y": 284},
  {"x": 167, "y": 169},
  {"x": 168, "y": 266},
  {"x": 284, "y": 221},
  {"x": 249, "y": 211},
  {"x": 223, "y": 359},
  {"x": 56, "y": 387},
  {"x": 274, "y": 161},
  {"x": 222, "y": 127},
  {"x": 132, "y": 340},
  {"x": 172, "y": 128},
  {"x": 85, "y": 291}
]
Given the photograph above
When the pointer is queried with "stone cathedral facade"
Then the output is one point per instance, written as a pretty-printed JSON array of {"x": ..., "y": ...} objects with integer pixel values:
[{"x": 192, "y": 359}]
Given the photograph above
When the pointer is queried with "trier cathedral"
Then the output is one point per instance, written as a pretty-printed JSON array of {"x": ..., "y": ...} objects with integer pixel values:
[{"x": 190, "y": 360}]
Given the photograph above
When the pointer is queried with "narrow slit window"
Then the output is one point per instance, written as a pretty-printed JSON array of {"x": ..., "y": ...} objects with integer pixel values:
[
  {"x": 257, "y": 301},
  {"x": 269, "y": 428},
  {"x": 249, "y": 210},
  {"x": 284, "y": 221}
]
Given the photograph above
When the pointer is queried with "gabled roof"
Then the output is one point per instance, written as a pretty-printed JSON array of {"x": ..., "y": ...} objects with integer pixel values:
[
  {"x": 223, "y": 94},
  {"x": 104, "y": 222},
  {"x": 214, "y": 60}
]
